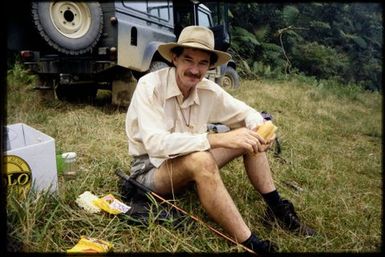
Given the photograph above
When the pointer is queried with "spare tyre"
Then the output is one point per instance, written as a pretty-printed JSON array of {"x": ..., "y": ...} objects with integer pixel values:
[
  {"x": 70, "y": 27},
  {"x": 230, "y": 78}
]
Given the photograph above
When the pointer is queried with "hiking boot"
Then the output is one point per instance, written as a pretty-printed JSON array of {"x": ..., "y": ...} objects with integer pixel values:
[
  {"x": 287, "y": 218},
  {"x": 260, "y": 246}
]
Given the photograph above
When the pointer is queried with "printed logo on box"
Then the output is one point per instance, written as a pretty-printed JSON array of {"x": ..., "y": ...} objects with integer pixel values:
[{"x": 17, "y": 172}]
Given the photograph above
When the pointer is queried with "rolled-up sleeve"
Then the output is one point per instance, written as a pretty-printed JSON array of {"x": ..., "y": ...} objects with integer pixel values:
[{"x": 230, "y": 110}]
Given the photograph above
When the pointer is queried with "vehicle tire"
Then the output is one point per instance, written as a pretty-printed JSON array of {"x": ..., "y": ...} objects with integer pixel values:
[
  {"x": 70, "y": 27},
  {"x": 230, "y": 78}
]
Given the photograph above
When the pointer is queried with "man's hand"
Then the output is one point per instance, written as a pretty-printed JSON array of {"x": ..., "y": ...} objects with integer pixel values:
[
  {"x": 242, "y": 138},
  {"x": 268, "y": 142}
]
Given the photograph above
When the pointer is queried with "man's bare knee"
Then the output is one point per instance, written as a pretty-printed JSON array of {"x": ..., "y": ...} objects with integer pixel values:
[
  {"x": 255, "y": 155},
  {"x": 202, "y": 162}
]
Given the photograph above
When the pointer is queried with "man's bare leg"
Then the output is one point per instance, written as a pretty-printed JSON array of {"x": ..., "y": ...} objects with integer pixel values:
[
  {"x": 258, "y": 170},
  {"x": 201, "y": 167},
  {"x": 256, "y": 165},
  {"x": 259, "y": 173}
]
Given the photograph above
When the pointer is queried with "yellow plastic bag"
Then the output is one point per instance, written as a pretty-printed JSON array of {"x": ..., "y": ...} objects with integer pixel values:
[{"x": 90, "y": 245}]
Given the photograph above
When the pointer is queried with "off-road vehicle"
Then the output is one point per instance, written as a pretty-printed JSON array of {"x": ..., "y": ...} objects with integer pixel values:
[{"x": 76, "y": 48}]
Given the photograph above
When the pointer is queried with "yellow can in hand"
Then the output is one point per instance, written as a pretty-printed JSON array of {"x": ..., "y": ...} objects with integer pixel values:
[{"x": 267, "y": 130}]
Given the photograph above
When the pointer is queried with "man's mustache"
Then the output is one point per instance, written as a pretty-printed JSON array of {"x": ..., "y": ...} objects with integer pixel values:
[{"x": 189, "y": 74}]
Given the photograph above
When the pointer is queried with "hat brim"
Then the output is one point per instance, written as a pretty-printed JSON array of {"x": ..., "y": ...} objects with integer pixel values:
[{"x": 165, "y": 52}]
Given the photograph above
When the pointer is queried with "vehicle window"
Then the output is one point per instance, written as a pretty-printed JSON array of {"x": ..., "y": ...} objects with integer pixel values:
[
  {"x": 203, "y": 19},
  {"x": 218, "y": 12},
  {"x": 157, "y": 9},
  {"x": 139, "y": 6}
]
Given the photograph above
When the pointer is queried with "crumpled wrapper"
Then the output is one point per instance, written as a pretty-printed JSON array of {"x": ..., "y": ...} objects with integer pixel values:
[
  {"x": 91, "y": 245},
  {"x": 93, "y": 204}
]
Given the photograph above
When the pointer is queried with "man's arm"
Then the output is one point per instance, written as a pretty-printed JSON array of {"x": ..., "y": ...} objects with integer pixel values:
[
  {"x": 231, "y": 111},
  {"x": 242, "y": 138}
]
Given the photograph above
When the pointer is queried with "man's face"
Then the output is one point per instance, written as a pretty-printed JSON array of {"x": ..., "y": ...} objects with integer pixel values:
[{"x": 191, "y": 67}]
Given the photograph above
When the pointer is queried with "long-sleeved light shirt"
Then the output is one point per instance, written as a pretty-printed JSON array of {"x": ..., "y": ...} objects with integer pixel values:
[{"x": 155, "y": 124}]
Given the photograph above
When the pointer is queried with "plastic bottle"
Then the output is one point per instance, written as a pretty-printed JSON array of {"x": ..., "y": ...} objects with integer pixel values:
[{"x": 69, "y": 164}]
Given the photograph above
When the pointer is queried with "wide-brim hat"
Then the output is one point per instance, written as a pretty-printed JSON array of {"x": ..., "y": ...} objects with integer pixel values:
[{"x": 197, "y": 37}]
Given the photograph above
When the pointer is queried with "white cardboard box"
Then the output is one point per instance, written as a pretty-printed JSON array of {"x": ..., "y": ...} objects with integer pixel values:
[{"x": 30, "y": 158}]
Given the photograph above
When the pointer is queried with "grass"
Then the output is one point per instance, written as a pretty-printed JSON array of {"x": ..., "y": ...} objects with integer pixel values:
[{"x": 331, "y": 139}]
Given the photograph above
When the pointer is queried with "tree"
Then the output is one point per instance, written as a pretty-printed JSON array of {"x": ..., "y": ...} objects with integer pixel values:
[{"x": 325, "y": 40}]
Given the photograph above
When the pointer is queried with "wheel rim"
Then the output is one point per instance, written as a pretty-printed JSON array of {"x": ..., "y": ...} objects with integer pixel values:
[
  {"x": 227, "y": 81},
  {"x": 72, "y": 20}
]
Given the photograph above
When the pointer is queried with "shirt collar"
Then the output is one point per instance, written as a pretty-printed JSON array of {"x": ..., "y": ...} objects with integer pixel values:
[{"x": 171, "y": 86}]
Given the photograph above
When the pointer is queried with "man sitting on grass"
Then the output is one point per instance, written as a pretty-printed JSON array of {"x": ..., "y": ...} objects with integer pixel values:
[{"x": 166, "y": 125}]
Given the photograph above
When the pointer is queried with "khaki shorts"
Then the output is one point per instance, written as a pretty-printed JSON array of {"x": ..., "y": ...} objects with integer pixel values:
[{"x": 143, "y": 171}]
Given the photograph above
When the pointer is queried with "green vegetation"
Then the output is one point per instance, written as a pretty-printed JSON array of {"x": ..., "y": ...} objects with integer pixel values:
[
  {"x": 331, "y": 138},
  {"x": 342, "y": 41}
]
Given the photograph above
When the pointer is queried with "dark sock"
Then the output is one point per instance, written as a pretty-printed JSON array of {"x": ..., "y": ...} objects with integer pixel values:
[
  {"x": 248, "y": 241},
  {"x": 258, "y": 245},
  {"x": 272, "y": 199}
]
